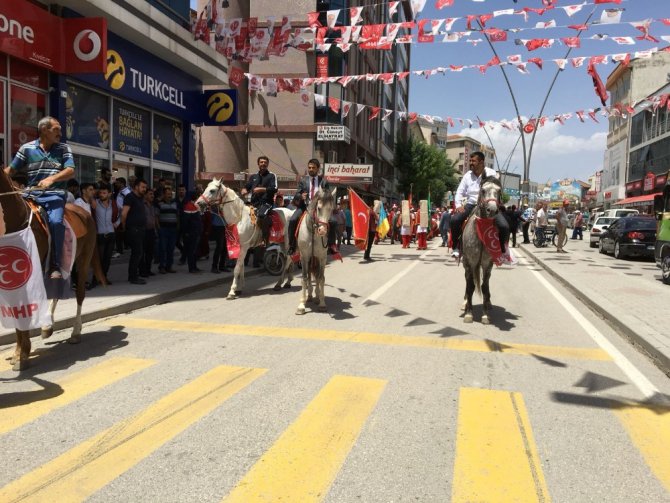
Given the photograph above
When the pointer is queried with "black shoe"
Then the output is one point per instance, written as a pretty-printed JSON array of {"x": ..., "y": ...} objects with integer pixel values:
[
  {"x": 216, "y": 270},
  {"x": 137, "y": 281},
  {"x": 170, "y": 270},
  {"x": 256, "y": 266},
  {"x": 225, "y": 269},
  {"x": 144, "y": 275},
  {"x": 108, "y": 282},
  {"x": 162, "y": 270}
]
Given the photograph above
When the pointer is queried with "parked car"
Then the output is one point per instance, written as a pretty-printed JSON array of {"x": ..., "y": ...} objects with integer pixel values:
[
  {"x": 629, "y": 236},
  {"x": 599, "y": 225},
  {"x": 621, "y": 212}
]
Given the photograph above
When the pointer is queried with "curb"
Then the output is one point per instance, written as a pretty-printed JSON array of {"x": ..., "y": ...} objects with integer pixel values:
[
  {"x": 658, "y": 358},
  {"x": 65, "y": 323}
]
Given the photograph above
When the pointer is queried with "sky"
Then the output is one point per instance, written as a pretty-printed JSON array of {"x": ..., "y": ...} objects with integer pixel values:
[{"x": 575, "y": 150}]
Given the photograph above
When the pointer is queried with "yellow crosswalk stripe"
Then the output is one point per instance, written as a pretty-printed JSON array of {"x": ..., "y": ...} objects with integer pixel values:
[
  {"x": 83, "y": 470},
  {"x": 496, "y": 456},
  {"x": 23, "y": 407},
  {"x": 649, "y": 429},
  {"x": 369, "y": 338},
  {"x": 306, "y": 458}
]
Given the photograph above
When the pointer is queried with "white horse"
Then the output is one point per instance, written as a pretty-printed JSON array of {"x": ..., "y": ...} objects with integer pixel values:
[
  {"x": 235, "y": 212},
  {"x": 313, "y": 246}
]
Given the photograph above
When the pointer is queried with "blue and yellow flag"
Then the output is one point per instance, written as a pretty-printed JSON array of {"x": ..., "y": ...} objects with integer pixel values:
[{"x": 383, "y": 227}]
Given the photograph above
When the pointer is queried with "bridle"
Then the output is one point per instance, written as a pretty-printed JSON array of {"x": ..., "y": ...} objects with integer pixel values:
[
  {"x": 481, "y": 203},
  {"x": 220, "y": 199},
  {"x": 316, "y": 223}
]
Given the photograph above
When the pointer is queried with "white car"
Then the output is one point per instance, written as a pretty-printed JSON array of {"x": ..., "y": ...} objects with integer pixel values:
[{"x": 599, "y": 225}]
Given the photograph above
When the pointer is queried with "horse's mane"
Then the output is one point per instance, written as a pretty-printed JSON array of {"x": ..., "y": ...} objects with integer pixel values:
[
  {"x": 321, "y": 195},
  {"x": 492, "y": 179}
]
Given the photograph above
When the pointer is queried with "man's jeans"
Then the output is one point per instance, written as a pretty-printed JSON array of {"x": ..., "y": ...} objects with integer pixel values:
[
  {"x": 167, "y": 238},
  {"x": 54, "y": 204}
]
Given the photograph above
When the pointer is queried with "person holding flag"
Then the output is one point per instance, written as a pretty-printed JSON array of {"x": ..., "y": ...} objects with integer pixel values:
[
  {"x": 383, "y": 227},
  {"x": 372, "y": 231},
  {"x": 364, "y": 222}
]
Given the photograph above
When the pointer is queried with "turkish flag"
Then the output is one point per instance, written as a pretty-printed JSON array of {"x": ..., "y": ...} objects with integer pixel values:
[
  {"x": 374, "y": 112},
  {"x": 440, "y": 4},
  {"x": 360, "y": 218},
  {"x": 334, "y": 104},
  {"x": 601, "y": 91},
  {"x": 496, "y": 35},
  {"x": 313, "y": 20}
]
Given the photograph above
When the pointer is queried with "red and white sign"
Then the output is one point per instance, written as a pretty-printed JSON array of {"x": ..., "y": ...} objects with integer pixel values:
[
  {"x": 649, "y": 182},
  {"x": 23, "y": 299},
  {"x": 348, "y": 173},
  {"x": 321, "y": 67},
  {"x": 73, "y": 45}
]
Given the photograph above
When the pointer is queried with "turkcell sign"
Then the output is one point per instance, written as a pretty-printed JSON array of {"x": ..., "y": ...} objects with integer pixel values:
[{"x": 138, "y": 75}]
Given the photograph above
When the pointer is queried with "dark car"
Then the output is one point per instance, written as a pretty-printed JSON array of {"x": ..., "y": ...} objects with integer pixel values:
[{"x": 630, "y": 236}]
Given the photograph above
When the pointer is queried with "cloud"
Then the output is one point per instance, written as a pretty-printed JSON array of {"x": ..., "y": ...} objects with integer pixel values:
[{"x": 555, "y": 155}]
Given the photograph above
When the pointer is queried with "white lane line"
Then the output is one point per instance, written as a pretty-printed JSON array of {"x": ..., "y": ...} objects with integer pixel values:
[
  {"x": 637, "y": 378},
  {"x": 386, "y": 286}
]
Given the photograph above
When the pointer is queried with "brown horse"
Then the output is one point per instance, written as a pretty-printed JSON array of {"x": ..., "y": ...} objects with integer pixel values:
[{"x": 16, "y": 213}]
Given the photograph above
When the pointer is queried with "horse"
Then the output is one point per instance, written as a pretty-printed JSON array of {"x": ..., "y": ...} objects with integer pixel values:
[
  {"x": 313, "y": 247},
  {"x": 16, "y": 214},
  {"x": 476, "y": 260},
  {"x": 236, "y": 212}
]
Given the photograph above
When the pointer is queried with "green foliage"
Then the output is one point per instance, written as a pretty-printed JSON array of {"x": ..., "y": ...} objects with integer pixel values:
[
  {"x": 505, "y": 198},
  {"x": 424, "y": 167}
]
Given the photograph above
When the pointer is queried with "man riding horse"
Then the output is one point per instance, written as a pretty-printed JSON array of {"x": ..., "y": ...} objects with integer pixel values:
[
  {"x": 466, "y": 200},
  {"x": 262, "y": 186},
  {"x": 307, "y": 188},
  {"x": 49, "y": 164}
]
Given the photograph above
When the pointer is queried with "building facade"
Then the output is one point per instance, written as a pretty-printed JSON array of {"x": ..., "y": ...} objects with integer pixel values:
[
  {"x": 460, "y": 147},
  {"x": 280, "y": 127},
  {"x": 135, "y": 113}
]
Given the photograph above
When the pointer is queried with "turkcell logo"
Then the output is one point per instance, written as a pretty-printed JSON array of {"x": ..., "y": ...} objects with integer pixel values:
[{"x": 220, "y": 107}]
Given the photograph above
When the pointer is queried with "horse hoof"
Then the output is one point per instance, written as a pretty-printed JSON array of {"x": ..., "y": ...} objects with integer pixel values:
[
  {"x": 467, "y": 318},
  {"x": 20, "y": 365},
  {"x": 485, "y": 320},
  {"x": 323, "y": 309},
  {"x": 463, "y": 306},
  {"x": 276, "y": 288},
  {"x": 300, "y": 310},
  {"x": 74, "y": 339},
  {"x": 47, "y": 332},
  {"x": 287, "y": 285},
  {"x": 231, "y": 296}
]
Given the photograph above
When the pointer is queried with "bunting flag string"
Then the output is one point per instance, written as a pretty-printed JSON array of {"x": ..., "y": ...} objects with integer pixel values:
[{"x": 514, "y": 60}]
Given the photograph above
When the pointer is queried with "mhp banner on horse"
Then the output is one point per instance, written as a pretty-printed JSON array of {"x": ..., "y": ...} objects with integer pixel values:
[{"x": 23, "y": 299}]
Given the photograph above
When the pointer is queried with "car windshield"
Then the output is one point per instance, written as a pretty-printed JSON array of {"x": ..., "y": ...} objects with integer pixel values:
[
  {"x": 605, "y": 220},
  {"x": 643, "y": 223}
]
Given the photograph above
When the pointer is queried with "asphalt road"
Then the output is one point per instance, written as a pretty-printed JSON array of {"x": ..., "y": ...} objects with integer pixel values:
[{"x": 387, "y": 397}]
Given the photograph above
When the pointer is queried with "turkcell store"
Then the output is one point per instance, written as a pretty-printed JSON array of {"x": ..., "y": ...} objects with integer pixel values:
[{"x": 134, "y": 119}]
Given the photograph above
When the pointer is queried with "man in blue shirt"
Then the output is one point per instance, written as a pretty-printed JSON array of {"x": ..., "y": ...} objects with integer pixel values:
[{"x": 49, "y": 164}]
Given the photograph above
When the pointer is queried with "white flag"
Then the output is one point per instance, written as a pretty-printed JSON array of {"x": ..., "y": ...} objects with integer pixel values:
[
  {"x": 355, "y": 14},
  {"x": 571, "y": 10},
  {"x": 611, "y": 16},
  {"x": 359, "y": 108},
  {"x": 331, "y": 17}
]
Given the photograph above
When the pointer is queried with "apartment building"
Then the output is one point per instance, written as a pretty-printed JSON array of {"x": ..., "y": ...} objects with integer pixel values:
[{"x": 459, "y": 148}]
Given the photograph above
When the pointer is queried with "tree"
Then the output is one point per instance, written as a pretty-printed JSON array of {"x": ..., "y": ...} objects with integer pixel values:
[{"x": 422, "y": 168}]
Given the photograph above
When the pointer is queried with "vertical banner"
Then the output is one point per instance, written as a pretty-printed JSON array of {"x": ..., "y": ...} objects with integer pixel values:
[
  {"x": 406, "y": 220},
  {"x": 321, "y": 67},
  {"x": 423, "y": 213},
  {"x": 131, "y": 130}
]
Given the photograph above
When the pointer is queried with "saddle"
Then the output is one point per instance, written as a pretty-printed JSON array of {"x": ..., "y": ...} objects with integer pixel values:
[{"x": 73, "y": 215}]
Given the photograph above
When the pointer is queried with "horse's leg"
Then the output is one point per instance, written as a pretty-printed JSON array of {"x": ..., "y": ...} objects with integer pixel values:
[
  {"x": 469, "y": 290},
  {"x": 48, "y": 330},
  {"x": 321, "y": 285},
  {"x": 486, "y": 293},
  {"x": 237, "y": 272},
  {"x": 82, "y": 276},
  {"x": 289, "y": 272},
  {"x": 303, "y": 291},
  {"x": 20, "y": 360}
]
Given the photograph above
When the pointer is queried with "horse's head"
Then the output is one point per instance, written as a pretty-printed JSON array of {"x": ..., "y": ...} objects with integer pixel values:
[
  {"x": 321, "y": 208},
  {"x": 214, "y": 193},
  {"x": 490, "y": 197}
]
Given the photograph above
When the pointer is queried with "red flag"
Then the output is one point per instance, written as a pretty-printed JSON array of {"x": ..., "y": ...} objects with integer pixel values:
[
  {"x": 334, "y": 104},
  {"x": 440, "y": 4},
  {"x": 313, "y": 19},
  {"x": 495, "y": 60},
  {"x": 601, "y": 91},
  {"x": 537, "y": 43},
  {"x": 574, "y": 42},
  {"x": 374, "y": 112},
  {"x": 360, "y": 214},
  {"x": 423, "y": 35},
  {"x": 236, "y": 76},
  {"x": 537, "y": 61},
  {"x": 496, "y": 35},
  {"x": 412, "y": 116},
  {"x": 484, "y": 18},
  {"x": 606, "y": 1}
]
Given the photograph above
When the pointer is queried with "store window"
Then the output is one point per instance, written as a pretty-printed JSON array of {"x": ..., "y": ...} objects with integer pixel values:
[
  {"x": 27, "y": 108},
  {"x": 3, "y": 65},
  {"x": 132, "y": 135},
  {"x": 86, "y": 117},
  {"x": 167, "y": 140},
  {"x": 87, "y": 168},
  {"x": 171, "y": 179},
  {"x": 24, "y": 72}
]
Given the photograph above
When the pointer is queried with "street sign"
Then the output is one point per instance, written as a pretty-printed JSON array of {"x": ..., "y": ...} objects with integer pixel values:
[
  {"x": 348, "y": 173},
  {"x": 333, "y": 133}
]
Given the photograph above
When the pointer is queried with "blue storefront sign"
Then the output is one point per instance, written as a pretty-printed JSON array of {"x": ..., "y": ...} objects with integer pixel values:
[
  {"x": 138, "y": 75},
  {"x": 132, "y": 130},
  {"x": 86, "y": 117}
]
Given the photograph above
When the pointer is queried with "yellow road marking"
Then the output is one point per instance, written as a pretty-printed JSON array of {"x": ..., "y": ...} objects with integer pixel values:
[
  {"x": 649, "y": 429},
  {"x": 83, "y": 470},
  {"x": 23, "y": 407},
  {"x": 368, "y": 338},
  {"x": 496, "y": 457},
  {"x": 306, "y": 458}
]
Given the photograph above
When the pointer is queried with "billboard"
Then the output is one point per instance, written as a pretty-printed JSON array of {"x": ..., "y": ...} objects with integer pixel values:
[
  {"x": 348, "y": 173},
  {"x": 566, "y": 189}
]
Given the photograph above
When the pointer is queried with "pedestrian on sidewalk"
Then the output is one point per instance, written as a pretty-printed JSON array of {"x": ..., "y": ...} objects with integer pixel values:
[
  {"x": 191, "y": 226},
  {"x": 107, "y": 219},
  {"x": 134, "y": 221},
  {"x": 86, "y": 199},
  {"x": 562, "y": 226},
  {"x": 150, "y": 234},
  {"x": 348, "y": 225},
  {"x": 168, "y": 223},
  {"x": 578, "y": 224},
  {"x": 527, "y": 218},
  {"x": 514, "y": 220},
  {"x": 121, "y": 191}
]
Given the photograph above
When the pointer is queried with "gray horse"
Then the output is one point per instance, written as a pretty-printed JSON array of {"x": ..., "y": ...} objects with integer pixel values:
[
  {"x": 476, "y": 260},
  {"x": 313, "y": 247}
]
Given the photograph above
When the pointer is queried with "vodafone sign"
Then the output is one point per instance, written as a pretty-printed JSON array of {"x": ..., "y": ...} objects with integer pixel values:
[{"x": 76, "y": 45}]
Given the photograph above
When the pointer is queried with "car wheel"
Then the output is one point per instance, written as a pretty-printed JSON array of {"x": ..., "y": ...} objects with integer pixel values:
[
  {"x": 618, "y": 254},
  {"x": 601, "y": 246},
  {"x": 593, "y": 245},
  {"x": 665, "y": 269}
]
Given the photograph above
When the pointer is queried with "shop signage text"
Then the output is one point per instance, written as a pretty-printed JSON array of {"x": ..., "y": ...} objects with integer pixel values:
[
  {"x": 348, "y": 173},
  {"x": 333, "y": 133},
  {"x": 31, "y": 33},
  {"x": 156, "y": 88},
  {"x": 649, "y": 181}
]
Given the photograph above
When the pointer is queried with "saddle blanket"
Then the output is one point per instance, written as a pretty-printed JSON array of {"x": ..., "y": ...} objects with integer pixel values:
[
  {"x": 276, "y": 228},
  {"x": 232, "y": 242},
  {"x": 488, "y": 235}
]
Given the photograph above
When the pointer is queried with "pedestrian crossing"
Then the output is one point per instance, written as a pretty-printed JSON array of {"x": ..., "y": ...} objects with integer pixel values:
[{"x": 495, "y": 457}]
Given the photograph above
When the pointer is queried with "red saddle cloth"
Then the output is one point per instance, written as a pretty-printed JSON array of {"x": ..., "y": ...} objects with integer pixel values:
[
  {"x": 488, "y": 235},
  {"x": 276, "y": 228}
]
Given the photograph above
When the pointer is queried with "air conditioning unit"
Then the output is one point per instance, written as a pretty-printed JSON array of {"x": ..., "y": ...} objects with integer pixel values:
[{"x": 332, "y": 156}]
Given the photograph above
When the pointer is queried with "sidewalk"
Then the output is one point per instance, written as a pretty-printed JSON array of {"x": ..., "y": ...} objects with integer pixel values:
[
  {"x": 628, "y": 295},
  {"x": 121, "y": 297}
]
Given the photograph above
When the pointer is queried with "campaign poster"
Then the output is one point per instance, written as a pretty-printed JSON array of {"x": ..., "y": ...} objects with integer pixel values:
[{"x": 132, "y": 130}]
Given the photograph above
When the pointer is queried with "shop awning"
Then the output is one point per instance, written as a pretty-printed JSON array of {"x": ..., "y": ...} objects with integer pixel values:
[{"x": 636, "y": 201}]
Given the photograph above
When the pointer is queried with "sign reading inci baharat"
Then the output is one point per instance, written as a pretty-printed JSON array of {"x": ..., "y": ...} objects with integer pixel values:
[{"x": 566, "y": 189}]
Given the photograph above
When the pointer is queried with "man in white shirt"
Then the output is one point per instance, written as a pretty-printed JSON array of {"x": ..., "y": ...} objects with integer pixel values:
[
  {"x": 466, "y": 200},
  {"x": 86, "y": 198}
]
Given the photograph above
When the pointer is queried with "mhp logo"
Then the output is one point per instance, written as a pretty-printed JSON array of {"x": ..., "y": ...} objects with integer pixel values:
[{"x": 220, "y": 107}]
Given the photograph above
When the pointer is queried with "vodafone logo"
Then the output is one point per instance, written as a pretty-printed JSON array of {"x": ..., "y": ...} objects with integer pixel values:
[
  {"x": 87, "y": 45},
  {"x": 15, "y": 267}
]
